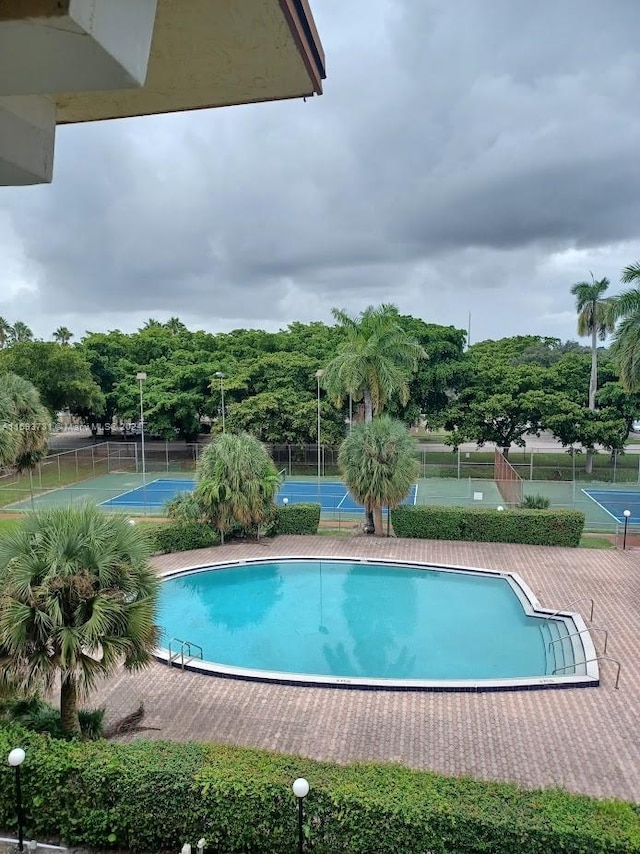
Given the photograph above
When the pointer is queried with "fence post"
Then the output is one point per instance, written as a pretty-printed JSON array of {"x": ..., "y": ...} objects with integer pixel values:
[
  {"x": 76, "y": 456},
  {"x": 60, "y": 475},
  {"x": 531, "y": 464},
  {"x": 135, "y": 456},
  {"x": 458, "y": 463},
  {"x": 166, "y": 452},
  {"x": 615, "y": 465},
  {"x": 289, "y": 456}
]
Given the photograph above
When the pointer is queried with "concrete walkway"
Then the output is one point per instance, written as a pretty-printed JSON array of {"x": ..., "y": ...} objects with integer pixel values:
[{"x": 585, "y": 740}]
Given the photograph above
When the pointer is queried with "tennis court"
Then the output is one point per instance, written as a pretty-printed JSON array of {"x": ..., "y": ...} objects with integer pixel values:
[
  {"x": 331, "y": 495},
  {"x": 154, "y": 494},
  {"x": 616, "y": 501}
]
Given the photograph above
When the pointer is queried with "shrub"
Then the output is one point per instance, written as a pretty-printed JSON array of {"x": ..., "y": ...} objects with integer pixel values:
[
  {"x": 535, "y": 502},
  {"x": 297, "y": 519},
  {"x": 36, "y": 714},
  {"x": 183, "y": 536},
  {"x": 154, "y": 796},
  {"x": 533, "y": 527}
]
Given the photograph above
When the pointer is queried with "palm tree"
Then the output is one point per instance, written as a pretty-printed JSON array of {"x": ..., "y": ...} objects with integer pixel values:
[
  {"x": 379, "y": 465},
  {"x": 625, "y": 308},
  {"x": 593, "y": 320},
  {"x": 5, "y": 332},
  {"x": 25, "y": 426},
  {"x": 175, "y": 325},
  {"x": 237, "y": 482},
  {"x": 375, "y": 361},
  {"x": 20, "y": 332},
  {"x": 62, "y": 335},
  {"x": 78, "y": 599}
]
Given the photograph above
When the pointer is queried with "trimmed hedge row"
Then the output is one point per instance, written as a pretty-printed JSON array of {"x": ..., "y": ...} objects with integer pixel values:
[
  {"x": 534, "y": 527},
  {"x": 183, "y": 536},
  {"x": 154, "y": 796},
  {"x": 298, "y": 519}
]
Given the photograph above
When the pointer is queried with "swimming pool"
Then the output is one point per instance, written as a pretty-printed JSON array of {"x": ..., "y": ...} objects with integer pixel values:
[{"x": 375, "y": 624}]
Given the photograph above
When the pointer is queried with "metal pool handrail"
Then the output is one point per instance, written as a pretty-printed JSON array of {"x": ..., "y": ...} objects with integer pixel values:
[
  {"x": 570, "y": 605},
  {"x": 589, "y": 660},
  {"x": 581, "y": 631}
]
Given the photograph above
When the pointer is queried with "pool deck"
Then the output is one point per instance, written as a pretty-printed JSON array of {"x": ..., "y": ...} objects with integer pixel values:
[{"x": 582, "y": 739}]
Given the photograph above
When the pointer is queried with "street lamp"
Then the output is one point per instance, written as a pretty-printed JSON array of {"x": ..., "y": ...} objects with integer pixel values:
[
  {"x": 219, "y": 375},
  {"x": 500, "y": 507},
  {"x": 300, "y": 790},
  {"x": 319, "y": 375},
  {"x": 285, "y": 501},
  {"x": 141, "y": 377},
  {"x": 626, "y": 515},
  {"x": 16, "y": 758}
]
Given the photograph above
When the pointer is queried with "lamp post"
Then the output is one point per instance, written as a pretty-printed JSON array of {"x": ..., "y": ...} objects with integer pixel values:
[
  {"x": 300, "y": 790},
  {"x": 221, "y": 377},
  {"x": 319, "y": 375},
  {"x": 626, "y": 515},
  {"x": 16, "y": 758},
  {"x": 500, "y": 507},
  {"x": 141, "y": 377}
]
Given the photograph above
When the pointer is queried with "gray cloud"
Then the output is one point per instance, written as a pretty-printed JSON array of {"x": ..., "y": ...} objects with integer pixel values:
[{"x": 465, "y": 157}]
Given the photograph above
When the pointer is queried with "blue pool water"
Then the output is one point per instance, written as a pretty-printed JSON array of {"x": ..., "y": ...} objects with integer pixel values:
[{"x": 356, "y": 620}]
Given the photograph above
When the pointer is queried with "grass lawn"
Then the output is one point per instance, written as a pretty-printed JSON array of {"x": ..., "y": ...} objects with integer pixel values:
[
  {"x": 7, "y": 525},
  {"x": 589, "y": 541}
]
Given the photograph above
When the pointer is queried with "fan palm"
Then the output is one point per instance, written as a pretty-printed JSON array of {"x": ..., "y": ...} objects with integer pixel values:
[
  {"x": 62, "y": 335},
  {"x": 379, "y": 465},
  {"x": 237, "y": 482},
  {"x": 593, "y": 320},
  {"x": 20, "y": 332},
  {"x": 625, "y": 309},
  {"x": 375, "y": 361},
  {"x": 5, "y": 332},
  {"x": 78, "y": 599},
  {"x": 25, "y": 426}
]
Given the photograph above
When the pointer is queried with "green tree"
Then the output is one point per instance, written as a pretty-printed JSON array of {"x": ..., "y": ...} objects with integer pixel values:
[
  {"x": 593, "y": 320},
  {"x": 379, "y": 465},
  {"x": 237, "y": 483},
  {"x": 62, "y": 335},
  {"x": 624, "y": 311},
  {"x": 78, "y": 599},
  {"x": 20, "y": 332},
  {"x": 375, "y": 361},
  {"x": 25, "y": 425}
]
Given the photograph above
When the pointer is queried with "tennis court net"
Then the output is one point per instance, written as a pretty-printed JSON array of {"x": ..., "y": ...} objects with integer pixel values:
[{"x": 509, "y": 483}]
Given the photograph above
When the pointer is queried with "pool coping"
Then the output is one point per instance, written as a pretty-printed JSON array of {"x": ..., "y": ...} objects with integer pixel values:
[{"x": 581, "y": 641}]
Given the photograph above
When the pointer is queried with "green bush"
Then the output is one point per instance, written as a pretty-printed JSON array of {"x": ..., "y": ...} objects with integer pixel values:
[
  {"x": 154, "y": 796},
  {"x": 535, "y": 502},
  {"x": 183, "y": 536},
  {"x": 533, "y": 527},
  {"x": 297, "y": 519},
  {"x": 36, "y": 714}
]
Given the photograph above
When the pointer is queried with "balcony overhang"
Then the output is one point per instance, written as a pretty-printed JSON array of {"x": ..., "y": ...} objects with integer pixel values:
[{"x": 106, "y": 59}]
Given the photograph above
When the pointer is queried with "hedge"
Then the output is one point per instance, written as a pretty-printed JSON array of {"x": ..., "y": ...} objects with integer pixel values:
[
  {"x": 535, "y": 527},
  {"x": 298, "y": 519},
  {"x": 183, "y": 536},
  {"x": 154, "y": 796}
]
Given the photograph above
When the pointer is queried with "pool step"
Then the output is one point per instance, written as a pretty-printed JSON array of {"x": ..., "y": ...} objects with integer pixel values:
[{"x": 558, "y": 647}]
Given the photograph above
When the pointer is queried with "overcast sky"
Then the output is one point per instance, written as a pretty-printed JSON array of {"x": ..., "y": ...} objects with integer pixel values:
[{"x": 466, "y": 156}]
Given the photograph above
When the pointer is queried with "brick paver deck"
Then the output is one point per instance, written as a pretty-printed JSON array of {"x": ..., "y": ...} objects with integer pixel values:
[{"x": 585, "y": 740}]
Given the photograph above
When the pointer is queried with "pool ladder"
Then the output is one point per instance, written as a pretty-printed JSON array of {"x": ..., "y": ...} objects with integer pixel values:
[{"x": 185, "y": 649}]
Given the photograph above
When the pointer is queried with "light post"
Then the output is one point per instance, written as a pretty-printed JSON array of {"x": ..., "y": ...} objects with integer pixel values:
[
  {"x": 141, "y": 377},
  {"x": 500, "y": 507},
  {"x": 319, "y": 375},
  {"x": 626, "y": 515},
  {"x": 16, "y": 758},
  {"x": 221, "y": 377},
  {"x": 300, "y": 790}
]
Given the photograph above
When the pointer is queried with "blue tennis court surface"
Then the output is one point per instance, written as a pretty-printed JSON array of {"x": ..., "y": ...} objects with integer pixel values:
[
  {"x": 154, "y": 494},
  {"x": 331, "y": 495},
  {"x": 616, "y": 501}
]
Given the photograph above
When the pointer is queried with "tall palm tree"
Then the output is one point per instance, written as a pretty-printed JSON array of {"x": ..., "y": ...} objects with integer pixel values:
[
  {"x": 78, "y": 599},
  {"x": 593, "y": 320},
  {"x": 379, "y": 465},
  {"x": 625, "y": 310},
  {"x": 375, "y": 361},
  {"x": 20, "y": 332},
  {"x": 237, "y": 482},
  {"x": 5, "y": 332},
  {"x": 62, "y": 335},
  {"x": 175, "y": 325}
]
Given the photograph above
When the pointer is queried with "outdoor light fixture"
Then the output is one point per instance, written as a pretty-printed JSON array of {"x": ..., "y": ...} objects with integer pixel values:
[
  {"x": 285, "y": 501},
  {"x": 141, "y": 377},
  {"x": 500, "y": 507},
  {"x": 300, "y": 790},
  {"x": 219, "y": 375},
  {"x": 16, "y": 758},
  {"x": 626, "y": 515}
]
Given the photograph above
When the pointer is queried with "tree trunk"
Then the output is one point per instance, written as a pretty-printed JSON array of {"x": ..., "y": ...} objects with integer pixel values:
[
  {"x": 377, "y": 521},
  {"x": 69, "y": 704},
  {"x": 505, "y": 451},
  {"x": 588, "y": 461},
  {"x": 593, "y": 380},
  {"x": 368, "y": 406}
]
